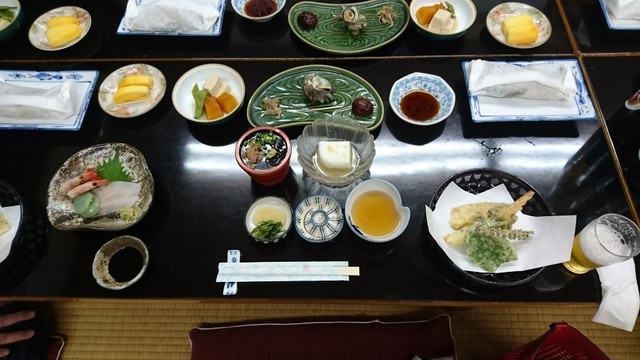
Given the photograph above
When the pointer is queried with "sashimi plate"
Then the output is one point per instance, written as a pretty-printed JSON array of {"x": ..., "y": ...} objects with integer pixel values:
[
  {"x": 490, "y": 109},
  {"x": 330, "y": 34},
  {"x": 60, "y": 209},
  {"x": 297, "y": 109},
  {"x": 37, "y": 32},
  {"x": 110, "y": 85},
  {"x": 84, "y": 81},
  {"x": 618, "y": 24},
  {"x": 216, "y": 31}
]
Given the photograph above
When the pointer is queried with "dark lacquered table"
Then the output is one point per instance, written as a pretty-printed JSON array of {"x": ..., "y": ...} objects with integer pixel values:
[{"x": 201, "y": 194}]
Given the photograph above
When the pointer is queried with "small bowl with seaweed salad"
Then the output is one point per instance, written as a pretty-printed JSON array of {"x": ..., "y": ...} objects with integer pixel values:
[
  {"x": 11, "y": 16},
  {"x": 264, "y": 153}
]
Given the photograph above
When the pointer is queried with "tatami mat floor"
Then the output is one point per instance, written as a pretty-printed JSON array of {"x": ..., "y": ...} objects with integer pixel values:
[{"x": 159, "y": 329}]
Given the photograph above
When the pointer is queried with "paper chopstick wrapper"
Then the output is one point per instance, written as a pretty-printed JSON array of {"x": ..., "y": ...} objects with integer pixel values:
[
  {"x": 550, "y": 244},
  {"x": 536, "y": 81},
  {"x": 285, "y": 271},
  {"x": 171, "y": 15}
]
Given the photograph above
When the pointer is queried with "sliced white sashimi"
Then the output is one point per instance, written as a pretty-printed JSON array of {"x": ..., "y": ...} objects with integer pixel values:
[{"x": 117, "y": 195}]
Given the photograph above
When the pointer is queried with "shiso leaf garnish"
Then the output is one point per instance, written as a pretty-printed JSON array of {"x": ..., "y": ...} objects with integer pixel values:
[{"x": 113, "y": 170}]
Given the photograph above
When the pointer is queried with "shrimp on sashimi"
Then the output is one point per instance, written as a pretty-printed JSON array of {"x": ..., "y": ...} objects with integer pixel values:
[
  {"x": 85, "y": 187},
  {"x": 89, "y": 175}
]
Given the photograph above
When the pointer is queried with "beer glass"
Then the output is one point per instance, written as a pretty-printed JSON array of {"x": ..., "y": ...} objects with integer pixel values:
[{"x": 607, "y": 240}]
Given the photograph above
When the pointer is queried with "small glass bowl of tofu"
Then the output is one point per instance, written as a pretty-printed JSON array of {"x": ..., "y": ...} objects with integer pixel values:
[
  {"x": 442, "y": 20},
  {"x": 336, "y": 151}
]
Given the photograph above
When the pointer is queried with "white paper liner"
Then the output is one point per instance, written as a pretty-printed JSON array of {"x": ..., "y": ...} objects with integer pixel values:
[{"x": 550, "y": 244}]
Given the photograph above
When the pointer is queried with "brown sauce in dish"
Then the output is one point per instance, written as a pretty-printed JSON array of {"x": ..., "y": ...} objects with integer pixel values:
[
  {"x": 260, "y": 8},
  {"x": 125, "y": 264},
  {"x": 419, "y": 105}
]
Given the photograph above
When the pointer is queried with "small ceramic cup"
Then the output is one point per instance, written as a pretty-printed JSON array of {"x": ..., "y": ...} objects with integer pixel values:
[
  {"x": 266, "y": 164},
  {"x": 120, "y": 262},
  {"x": 269, "y": 208},
  {"x": 374, "y": 211}
]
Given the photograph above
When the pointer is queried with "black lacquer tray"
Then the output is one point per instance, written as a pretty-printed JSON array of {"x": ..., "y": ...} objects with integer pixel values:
[{"x": 476, "y": 181}]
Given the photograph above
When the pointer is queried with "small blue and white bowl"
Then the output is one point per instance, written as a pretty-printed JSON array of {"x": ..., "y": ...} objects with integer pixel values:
[
  {"x": 238, "y": 7},
  {"x": 318, "y": 219},
  {"x": 432, "y": 84}
]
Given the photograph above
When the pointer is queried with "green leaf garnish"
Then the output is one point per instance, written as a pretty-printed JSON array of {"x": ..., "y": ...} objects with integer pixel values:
[
  {"x": 267, "y": 230},
  {"x": 112, "y": 169}
]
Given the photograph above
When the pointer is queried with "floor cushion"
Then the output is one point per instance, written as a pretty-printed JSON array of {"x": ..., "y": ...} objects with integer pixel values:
[{"x": 326, "y": 340}]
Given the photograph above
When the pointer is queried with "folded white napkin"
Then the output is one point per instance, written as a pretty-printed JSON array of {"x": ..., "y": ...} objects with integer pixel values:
[
  {"x": 22, "y": 102},
  {"x": 625, "y": 9},
  {"x": 620, "y": 298},
  {"x": 171, "y": 15},
  {"x": 540, "y": 81},
  {"x": 12, "y": 213}
]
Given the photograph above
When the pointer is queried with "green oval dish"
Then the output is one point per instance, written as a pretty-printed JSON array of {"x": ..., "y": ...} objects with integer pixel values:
[
  {"x": 297, "y": 109},
  {"x": 331, "y": 35}
]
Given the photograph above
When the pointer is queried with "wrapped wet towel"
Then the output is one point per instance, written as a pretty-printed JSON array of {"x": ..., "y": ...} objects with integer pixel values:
[
  {"x": 625, "y": 9},
  {"x": 171, "y": 16},
  {"x": 543, "y": 81},
  {"x": 23, "y": 102},
  {"x": 620, "y": 299}
]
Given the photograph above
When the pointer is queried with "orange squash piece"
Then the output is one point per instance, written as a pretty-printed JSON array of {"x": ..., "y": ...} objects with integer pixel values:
[
  {"x": 227, "y": 102},
  {"x": 425, "y": 13},
  {"x": 212, "y": 108}
]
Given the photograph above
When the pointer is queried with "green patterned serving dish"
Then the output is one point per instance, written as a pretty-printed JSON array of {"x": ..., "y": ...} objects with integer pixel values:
[
  {"x": 331, "y": 35},
  {"x": 297, "y": 109}
]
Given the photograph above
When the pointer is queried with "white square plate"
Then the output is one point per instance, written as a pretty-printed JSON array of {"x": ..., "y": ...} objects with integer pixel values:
[
  {"x": 85, "y": 81},
  {"x": 490, "y": 109}
]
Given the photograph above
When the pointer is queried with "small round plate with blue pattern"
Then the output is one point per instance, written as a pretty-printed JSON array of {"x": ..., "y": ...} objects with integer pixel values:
[{"x": 318, "y": 219}]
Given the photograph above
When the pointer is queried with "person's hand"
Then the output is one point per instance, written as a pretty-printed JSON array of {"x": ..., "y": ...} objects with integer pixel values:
[{"x": 7, "y": 320}]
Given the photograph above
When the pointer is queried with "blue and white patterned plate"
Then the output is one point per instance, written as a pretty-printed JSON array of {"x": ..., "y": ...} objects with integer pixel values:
[
  {"x": 217, "y": 27},
  {"x": 85, "y": 81},
  {"x": 615, "y": 23},
  {"x": 318, "y": 219},
  {"x": 490, "y": 109},
  {"x": 435, "y": 85}
]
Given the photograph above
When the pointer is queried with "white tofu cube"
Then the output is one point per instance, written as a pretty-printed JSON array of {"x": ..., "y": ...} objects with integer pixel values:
[
  {"x": 335, "y": 155},
  {"x": 212, "y": 84},
  {"x": 440, "y": 21}
]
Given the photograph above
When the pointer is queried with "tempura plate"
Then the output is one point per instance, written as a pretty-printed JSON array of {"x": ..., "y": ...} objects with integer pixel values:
[
  {"x": 331, "y": 36},
  {"x": 476, "y": 181}
]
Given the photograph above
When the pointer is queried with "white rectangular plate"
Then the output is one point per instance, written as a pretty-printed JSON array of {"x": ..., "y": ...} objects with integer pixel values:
[
  {"x": 85, "y": 81},
  {"x": 217, "y": 27},
  {"x": 490, "y": 109},
  {"x": 618, "y": 24}
]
